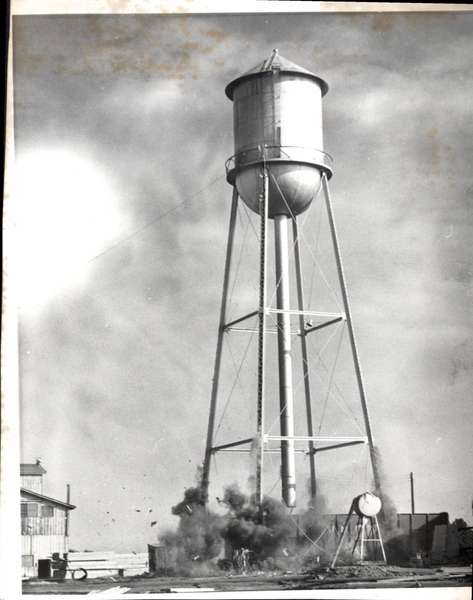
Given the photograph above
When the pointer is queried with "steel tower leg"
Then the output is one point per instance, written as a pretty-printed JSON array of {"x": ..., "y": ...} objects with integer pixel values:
[
  {"x": 364, "y": 404},
  {"x": 218, "y": 357},
  {"x": 305, "y": 359},
  {"x": 380, "y": 538},
  {"x": 363, "y": 526},
  {"x": 288, "y": 465},
  {"x": 344, "y": 531}
]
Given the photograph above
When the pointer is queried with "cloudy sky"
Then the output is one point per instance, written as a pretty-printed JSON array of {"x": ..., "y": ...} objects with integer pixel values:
[{"x": 122, "y": 129}]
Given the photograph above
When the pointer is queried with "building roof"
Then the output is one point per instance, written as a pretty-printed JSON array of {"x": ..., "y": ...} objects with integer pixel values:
[
  {"x": 29, "y": 469},
  {"x": 273, "y": 63},
  {"x": 39, "y": 497}
]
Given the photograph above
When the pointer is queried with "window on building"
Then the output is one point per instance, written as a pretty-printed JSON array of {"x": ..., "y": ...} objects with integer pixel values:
[
  {"x": 29, "y": 509},
  {"x": 27, "y": 560},
  {"x": 47, "y": 511}
]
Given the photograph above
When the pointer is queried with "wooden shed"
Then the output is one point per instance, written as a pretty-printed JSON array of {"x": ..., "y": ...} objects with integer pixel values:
[{"x": 44, "y": 524}]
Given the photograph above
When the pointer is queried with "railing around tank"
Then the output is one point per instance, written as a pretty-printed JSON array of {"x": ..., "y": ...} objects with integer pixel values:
[{"x": 261, "y": 153}]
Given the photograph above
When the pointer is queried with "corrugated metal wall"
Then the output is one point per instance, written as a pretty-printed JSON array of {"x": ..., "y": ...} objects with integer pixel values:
[
  {"x": 43, "y": 546},
  {"x": 38, "y": 547},
  {"x": 157, "y": 558},
  {"x": 41, "y": 536},
  {"x": 418, "y": 529},
  {"x": 33, "y": 483},
  {"x": 54, "y": 525}
]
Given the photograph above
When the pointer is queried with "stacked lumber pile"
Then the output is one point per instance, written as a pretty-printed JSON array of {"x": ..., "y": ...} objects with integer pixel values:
[{"x": 104, "y": 564}]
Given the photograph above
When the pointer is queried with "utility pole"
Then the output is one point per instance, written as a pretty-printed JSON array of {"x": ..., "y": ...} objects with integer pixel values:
[
  {"x": 412, "y": 493},
  {"x": 68, "y": 497}
]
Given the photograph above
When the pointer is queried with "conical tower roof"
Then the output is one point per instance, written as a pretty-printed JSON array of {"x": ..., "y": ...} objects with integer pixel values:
[{"x": 273, "y": 63}]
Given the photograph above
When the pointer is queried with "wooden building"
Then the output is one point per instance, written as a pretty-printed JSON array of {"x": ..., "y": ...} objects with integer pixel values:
[{"x": 44, "y": 524}]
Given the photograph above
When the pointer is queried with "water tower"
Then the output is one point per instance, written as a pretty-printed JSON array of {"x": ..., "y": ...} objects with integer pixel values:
[{"x": 277, "y": 170}]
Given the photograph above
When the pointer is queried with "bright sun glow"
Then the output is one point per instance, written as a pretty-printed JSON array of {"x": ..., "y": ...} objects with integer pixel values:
[{"x": 66, "y": 213}]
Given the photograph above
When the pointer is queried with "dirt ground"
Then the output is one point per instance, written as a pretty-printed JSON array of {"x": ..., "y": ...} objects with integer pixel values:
[{"x": 353, "y": 577}]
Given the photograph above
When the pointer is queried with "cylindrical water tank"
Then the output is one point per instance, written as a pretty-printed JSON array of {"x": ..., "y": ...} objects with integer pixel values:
[
  {"x": 277, "y": 110},
  {"x": 367, "y": 505}
]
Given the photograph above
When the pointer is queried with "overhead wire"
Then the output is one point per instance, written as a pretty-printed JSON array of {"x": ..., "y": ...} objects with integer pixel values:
[{"x": 122, "y": 241}]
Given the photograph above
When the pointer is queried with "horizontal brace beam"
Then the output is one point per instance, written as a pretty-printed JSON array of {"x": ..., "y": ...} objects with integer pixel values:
[
  {"x": 305, "y": 451},
  {"x": 239, "y": 443},
  {"x": 317, "y": 450},
  {"x": 322, "y": 325},
  {"x": 247, "y": 329},
  {"x": 304, "y": 312},
  {"x": 308, "y": 438},
  {"x": 265, "y": 450},
  {"x": 253, "y": 314}
]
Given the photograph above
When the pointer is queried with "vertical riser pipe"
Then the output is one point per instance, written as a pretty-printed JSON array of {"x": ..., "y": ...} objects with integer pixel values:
[{"x": 288, "y": 463}]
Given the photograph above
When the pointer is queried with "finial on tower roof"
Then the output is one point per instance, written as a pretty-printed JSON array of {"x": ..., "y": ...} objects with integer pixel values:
[{"x": 268, "y": 63}]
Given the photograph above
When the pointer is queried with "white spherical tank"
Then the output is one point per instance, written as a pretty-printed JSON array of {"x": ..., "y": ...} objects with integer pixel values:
[
  {"x": 277, "y": 109},
  {"x": 367, "y": 505}
]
